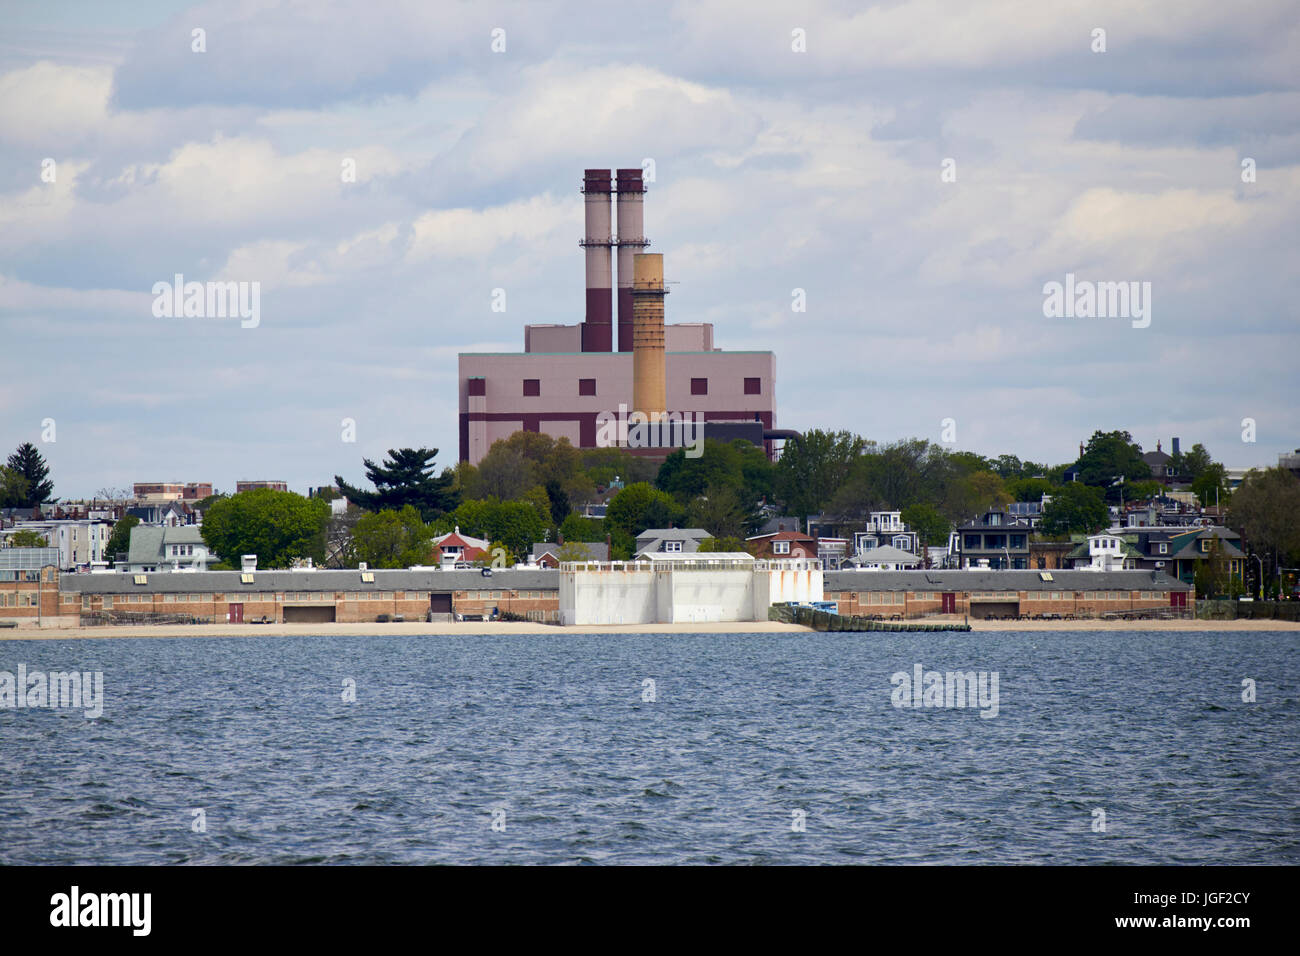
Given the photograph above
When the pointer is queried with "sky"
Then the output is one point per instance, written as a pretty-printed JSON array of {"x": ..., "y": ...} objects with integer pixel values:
[{"x": 921, "y": 170}]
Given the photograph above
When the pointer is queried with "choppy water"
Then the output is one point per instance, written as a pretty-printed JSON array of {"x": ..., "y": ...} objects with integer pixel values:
[{"x": 1149, "y": 727}]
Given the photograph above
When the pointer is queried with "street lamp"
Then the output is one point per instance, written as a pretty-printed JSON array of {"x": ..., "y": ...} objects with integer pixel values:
[{"x": 1261, "y": 575}]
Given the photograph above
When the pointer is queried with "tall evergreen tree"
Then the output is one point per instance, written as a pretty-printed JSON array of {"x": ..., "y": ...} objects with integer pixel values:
[
  {"x": 29, "y": 463},
  {"x": 405, "y": 478}
]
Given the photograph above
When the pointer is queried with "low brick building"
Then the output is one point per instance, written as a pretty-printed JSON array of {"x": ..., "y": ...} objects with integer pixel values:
[
  {"x": 29, "y": 585},
  {"x": 981, "y": 594}
]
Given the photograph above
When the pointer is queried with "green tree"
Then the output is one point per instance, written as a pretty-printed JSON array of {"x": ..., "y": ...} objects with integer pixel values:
[
  {"x": 1191, "y": 464},
  {"x": 639, "y": 506},
  {"x": 722, "y": 546},
  {"x": 119, "y": 542},
  {"x": 577, "y": 528},
  {"x": 516, "y": 524},
  {"x": 13, "y": 488},
  {"x": 720, "y": 512},
  {"x": 1265, "y": 510},
  {"x": 392, "y": 539},
  {"x": 813, "y": 468},
  {"x": 277, "y": 526},
  {"x": 1029, "y": 489},
  {"x": 27, "y": 539},
  {"x": 29, "y": 464},
  {"x": 1111, "y": 455},
  {"x": 928, "y": 522},
  {"x": 405, "y": 478},
  {"x": 1211, "y": 485},
  {"x": 1076, "y": 508}
]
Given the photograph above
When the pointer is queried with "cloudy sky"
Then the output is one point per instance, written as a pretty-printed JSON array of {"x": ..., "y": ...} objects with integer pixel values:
[{"x": 774, "y": 169}]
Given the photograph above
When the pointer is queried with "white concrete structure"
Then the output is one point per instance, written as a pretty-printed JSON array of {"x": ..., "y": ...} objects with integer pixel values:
[
  {"x": 1106, "y": 552},
  {"x": 683, "y": 588}
]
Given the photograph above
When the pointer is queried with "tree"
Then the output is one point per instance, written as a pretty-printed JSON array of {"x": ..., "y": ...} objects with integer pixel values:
[
  {"x": 1211, "y": 579},
  {"x": 27, "y": 539},
  {"x": 1029, "y": 489},
  {"x": 925, "y": 519},
  {"x": 721, "y": 545},
  {"x": 1211, "y": 485},
  {"x": 340, "y": 550},
  {"x": 28, "y": 463},
  {"x": 1076, "y": 508},
  {"x": 813, "y": 468},
  {"x": 13, "y": 488},
  {"x": 738, "y": 470},
  {"x": 1265, "y": 510},
  {"x": 577, "y": 528},
  {"x": 640, "y": 506},
  {"x": 405, "y": 478},
  {"x": 719, "y": 511},
  {"x": 119, "y": 542},
  {"x": 393, "y": 539},
  {"x": 559, "y": 501},
  {"x": 515, "y": 524},
  {"x": 277, "y": 526},
  {"x": 1111, "y": 455},
  {"x": 1192, "y": 463}
]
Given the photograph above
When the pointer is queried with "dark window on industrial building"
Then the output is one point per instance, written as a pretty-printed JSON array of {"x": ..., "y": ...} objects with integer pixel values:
[
  {"x": 753, "y": 386},
  {"x": 586, "y": 386},
  {"x": 532, "y": 386},
  {"x": 478, "y": 386},
  {"x": 699, "y": 386}
]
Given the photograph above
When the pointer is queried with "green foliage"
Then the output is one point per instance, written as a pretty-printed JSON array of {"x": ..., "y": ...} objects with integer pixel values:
[
  {"x": 405, "y": 478},
  {"x": 1192, "y": 464},
  {"x": 27, "y": 539},
  {"x": 13, "y": 488},
  {"x": 1108, "y": 456},
  {"x": 926, "y": 520},
  {"x": 724, "y": 487},
  {"x": 35, "y": 488},
  {"x": 603, "y": 465},
  {"x": 813, "y": 469},
  {"x": 1075, "y": 509},
  {"x": 1211, "y": 579},
  {"x": 119, "y": 542},
  {"x": 577, "y": 528},
  {"x": 1211, "y": 485},
  {"x": 277, "y": 526},
  {"x": 1265, "y": 510},
  {"x": 1142, "y": 490},
  {"x": 720, "y": 512},
  {"x": 1029, "y": 489},
  {"x": 516, "y": 524},
  {"x": 392, "y": 539},
  {"x": 640, "y": 506},
  {"x": 204, "y": 504},
  {"x": 722, "y": 545}
]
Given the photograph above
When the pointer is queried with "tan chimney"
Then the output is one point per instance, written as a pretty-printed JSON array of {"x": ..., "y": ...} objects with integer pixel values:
[{"x": 649, "y": 386}]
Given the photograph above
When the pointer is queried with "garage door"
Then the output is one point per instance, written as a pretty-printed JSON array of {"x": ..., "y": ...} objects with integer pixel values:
[
  {"x": 308, "y": 615},
  {"x": 440, "y": 603}
]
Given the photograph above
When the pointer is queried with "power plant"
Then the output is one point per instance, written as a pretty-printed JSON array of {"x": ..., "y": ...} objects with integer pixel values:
[{"x": 571, "y": 378}]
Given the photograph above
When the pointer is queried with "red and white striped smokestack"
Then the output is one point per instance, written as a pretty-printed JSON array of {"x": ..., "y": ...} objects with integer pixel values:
[
  {"x": 597, "y": 327},
  {"x": 631, "y": 240}
]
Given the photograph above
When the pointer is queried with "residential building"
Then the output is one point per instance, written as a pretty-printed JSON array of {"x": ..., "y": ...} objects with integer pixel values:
[
  {"x": 886, "y": 558},
  {"x": 78, "y": 541},
  {"x": 546, "y": 554},
  {"x": 29, "y": 585},
  {"x": 241, "y": 486},
  {"x": 995, "y": 540},
  {"x": 168, "y": 548},
  {"x": 669, "y": 541},
  {"x": 885, "y": 529},
  {"x": 454, "y": 546},
  {"x": 782, "y": 544}
]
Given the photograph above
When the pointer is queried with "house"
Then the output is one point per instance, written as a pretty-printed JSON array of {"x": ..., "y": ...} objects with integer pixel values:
[
  {"x": 546, "y": 554},
  {"x": 669, "y": 541},
  {"x": 167, "y": 548},
  {"x": 782, "y": 544},
  {"x": 1104, "y": 552},
  {"x": 994, "y": 540},
  {"x": 454, "y": 546},
  {"x": 833, "y": 552},
  {"x": 886, "y": 558},
  {"x": 79, "y": 541},
  {"x": 885, "y": 529},
  {"x": 171, "y": 514}
]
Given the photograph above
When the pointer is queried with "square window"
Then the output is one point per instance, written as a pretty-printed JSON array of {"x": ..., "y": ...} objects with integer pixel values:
[
  {"x": 753, "y": 386},
  {"x": 586, "y": 386},
  {"x": 699, "y": 386},
  {"x": 780, "y": 547},
  {"x": 478, "y": 386},
  {"x": 532, "y": 387}
]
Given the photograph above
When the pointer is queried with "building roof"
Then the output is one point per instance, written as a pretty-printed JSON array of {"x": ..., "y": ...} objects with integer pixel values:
[
  {"x": 887, "y": 554},
  {"x": 591, "y": 550},
  {"x": 652, "y": 539},
  {"x": 981, "y": 580},
  {"x": 783, "y": 536},
  {"x": 27, "y": 559},
  {"x": 230, "y": 583}
]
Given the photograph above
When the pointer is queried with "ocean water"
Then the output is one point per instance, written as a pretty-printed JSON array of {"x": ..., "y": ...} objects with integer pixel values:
[{"x": 755, "y": 749}]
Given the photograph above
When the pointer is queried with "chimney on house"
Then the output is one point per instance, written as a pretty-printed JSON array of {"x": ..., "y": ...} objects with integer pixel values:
[{"x": 1175, "y": 447}]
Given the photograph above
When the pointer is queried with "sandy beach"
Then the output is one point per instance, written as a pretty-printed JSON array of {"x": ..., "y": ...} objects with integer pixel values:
[{"x": 415, "y": 629}]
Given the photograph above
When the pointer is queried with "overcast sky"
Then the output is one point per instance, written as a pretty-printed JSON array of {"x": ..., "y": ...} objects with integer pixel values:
[{"x": 774, "y": 170}]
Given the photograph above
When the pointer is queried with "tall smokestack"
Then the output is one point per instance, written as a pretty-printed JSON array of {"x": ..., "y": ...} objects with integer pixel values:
[
  {"x": 597, "y": 327},
  {"x": 649, "y": 386},
  {"x": 631, "y": 240}
]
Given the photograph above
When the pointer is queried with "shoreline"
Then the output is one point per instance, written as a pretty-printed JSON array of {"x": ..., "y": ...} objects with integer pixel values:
[{"x": 487, "y": 629}]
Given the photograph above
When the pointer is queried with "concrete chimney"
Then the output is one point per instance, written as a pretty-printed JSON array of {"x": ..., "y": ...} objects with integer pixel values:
[
  {"x": 631, "y": 240},
  {"x": 597, "y": 327},
  {"x": 649, "y": 381}
]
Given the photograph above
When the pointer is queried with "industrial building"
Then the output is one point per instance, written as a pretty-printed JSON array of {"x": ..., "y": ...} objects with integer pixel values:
[{"x": 572, "y": 379}]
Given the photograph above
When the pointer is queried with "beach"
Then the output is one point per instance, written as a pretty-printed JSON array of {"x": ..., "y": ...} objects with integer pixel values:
[{"x": 416, "y": 629}]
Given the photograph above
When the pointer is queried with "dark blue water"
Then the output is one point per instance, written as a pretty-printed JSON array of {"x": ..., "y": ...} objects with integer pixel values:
[{"x": 1149, "y": 727}]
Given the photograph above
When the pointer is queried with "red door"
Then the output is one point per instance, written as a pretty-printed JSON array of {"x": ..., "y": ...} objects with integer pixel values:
[
  {"x": 1178, "y": 599},
  {"x": 236, "y": 614},
  {"x": 949, "y": 602}
]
